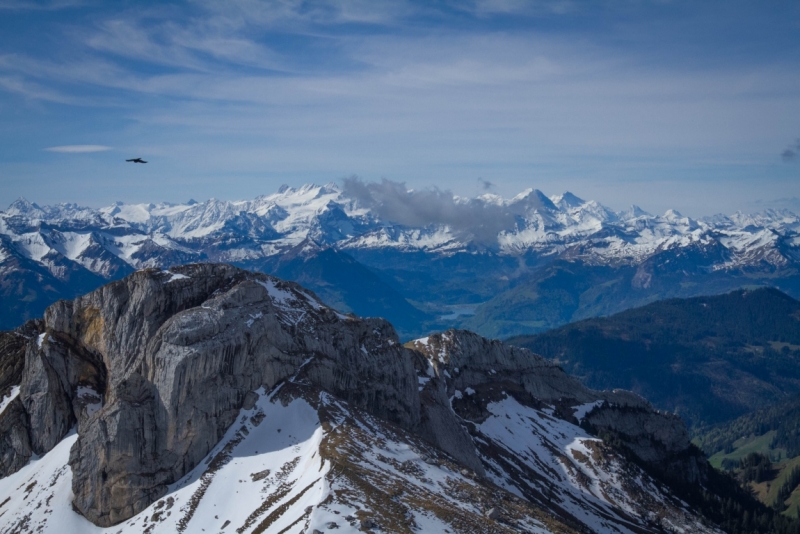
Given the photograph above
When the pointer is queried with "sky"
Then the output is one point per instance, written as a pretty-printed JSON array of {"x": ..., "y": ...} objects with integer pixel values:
[{"x": 665, "y": 104}]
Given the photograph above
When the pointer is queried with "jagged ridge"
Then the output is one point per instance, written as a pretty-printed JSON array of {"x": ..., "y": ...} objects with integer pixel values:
[{"x": 156, "y": 382}]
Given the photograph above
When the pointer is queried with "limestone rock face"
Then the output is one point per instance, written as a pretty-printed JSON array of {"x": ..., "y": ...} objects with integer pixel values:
[
  {"x": 649, "y": 434},
  {"x": 153, "y": 370},
  {"x": 467, "y": 361}
]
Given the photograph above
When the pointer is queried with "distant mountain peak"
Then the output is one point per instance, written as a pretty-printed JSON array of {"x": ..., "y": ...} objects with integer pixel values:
[
  {"x": 22, "y": 206},
  {"x": 530, "y": 222},
  {"x": 633, "y": 212},
  {"x": 567, "y": 200},
  {"x": 671, "y": 214},
  {"x": 307, "y": 248},
  {"x": 533, "y": 199}
]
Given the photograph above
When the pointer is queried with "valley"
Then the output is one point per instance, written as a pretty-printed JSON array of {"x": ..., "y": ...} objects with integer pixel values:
[{"x": 549, "y": 261}]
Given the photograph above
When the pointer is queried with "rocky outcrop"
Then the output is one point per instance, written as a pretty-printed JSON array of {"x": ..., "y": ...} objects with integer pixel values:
[
  {"x": 649, "y": 434},
  {"x": 466, "y": 361},
  {"x": 154, "y": 369},
  {"x": 15, "y": 444},
  {"x": 12, "y": 354},
  {"x": 133, "y": 365}
]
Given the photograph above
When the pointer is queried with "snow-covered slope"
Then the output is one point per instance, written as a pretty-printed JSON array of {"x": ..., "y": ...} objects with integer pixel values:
[
  {"x": 302, "y": 460},
  {"x": 558, "y": 462}
]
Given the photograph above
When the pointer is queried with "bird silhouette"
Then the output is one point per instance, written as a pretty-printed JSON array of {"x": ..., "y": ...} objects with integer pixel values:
[{"x": 136, "y": 160}]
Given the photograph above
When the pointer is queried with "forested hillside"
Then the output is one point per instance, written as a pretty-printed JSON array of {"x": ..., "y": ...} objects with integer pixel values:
[{"x": 709, "y": 359}]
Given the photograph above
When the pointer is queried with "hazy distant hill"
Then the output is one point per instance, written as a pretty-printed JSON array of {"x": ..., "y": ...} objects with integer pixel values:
[
  {"x": 709, "y": 359},
  {"x": 568, "y": 291}
]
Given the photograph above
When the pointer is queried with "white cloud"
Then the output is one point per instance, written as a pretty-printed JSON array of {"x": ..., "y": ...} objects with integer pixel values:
[
  {"x": 31, "y": 90},
  {"x": 519, "y": 7},
  {"x": 78, "y": 149}
]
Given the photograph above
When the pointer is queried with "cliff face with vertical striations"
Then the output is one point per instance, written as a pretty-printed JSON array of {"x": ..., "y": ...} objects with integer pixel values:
[{"x": 152, "y": 387}]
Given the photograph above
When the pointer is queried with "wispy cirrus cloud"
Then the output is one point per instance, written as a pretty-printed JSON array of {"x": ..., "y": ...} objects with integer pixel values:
[
  {"x": 517, "y": 92},
  {"x": 47, "y": 5},
  {"x": 78, "y": 149},
  {"x": 31, "y": 90},
  {"x": 519, "y": 7}
]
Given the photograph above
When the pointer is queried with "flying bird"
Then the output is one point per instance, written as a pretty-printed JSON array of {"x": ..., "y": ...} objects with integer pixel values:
[{"x": 136, "y": 160}]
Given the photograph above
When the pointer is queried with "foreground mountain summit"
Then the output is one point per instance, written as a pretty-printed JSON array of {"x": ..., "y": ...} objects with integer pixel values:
[
  {"x": 208, "y": 398},
  {"x": 519, "y": 265}
]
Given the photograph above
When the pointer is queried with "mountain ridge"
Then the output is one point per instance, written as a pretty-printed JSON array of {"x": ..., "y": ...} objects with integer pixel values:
[
  {"x": 478, "y": 247},
  {"x": 156, "y": 382},
  {"x": 709, "y": 359}
]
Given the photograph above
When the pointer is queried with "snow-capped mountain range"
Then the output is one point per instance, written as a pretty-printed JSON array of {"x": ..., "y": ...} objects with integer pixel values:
[
  {"x": 428, "y": 248},
  {"x": 157, "y": 235}
]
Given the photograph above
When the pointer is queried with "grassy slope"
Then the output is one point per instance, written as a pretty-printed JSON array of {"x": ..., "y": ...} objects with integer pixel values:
[
  {"x": 767, "y": 491},
  {"x": 774, "y": 432},
  {"x": 745, "y": 445}
]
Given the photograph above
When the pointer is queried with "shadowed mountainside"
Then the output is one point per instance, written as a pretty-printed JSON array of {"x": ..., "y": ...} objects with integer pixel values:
[{"x": 709, "y": 359}]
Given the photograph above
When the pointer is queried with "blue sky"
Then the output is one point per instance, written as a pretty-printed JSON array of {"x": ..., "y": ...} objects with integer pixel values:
[{"x": 667, "y": 104}]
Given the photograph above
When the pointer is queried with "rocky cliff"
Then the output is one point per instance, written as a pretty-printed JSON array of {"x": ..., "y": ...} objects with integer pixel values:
[{"x": 154, "y": 370}]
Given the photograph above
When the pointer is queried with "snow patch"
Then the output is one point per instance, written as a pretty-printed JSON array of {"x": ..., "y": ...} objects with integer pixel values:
[
  {"x": 174, "y": 276},
  {"x": 584, "y": 409},
  {"x": 5, "y": 401},
  {"x": 92, "y": 399},
  {"x": 253, "y": 318}
]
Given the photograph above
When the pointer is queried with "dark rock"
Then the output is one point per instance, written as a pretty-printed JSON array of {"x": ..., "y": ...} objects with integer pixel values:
[
  {"x": 45, "y": 395},
  {"x": 15, "y": 444},
  {"x": 250, "y": 399},
  {"x": 154, "y": 348},
  {"x": 12, "y": 353},
  {"x": 466, "y": 361}
]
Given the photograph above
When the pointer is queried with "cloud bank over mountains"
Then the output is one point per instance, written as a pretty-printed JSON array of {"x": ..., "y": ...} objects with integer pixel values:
[{"x": 393, "y": 201}]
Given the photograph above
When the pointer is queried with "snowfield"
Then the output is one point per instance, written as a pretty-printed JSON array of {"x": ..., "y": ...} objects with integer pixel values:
[{"x": 301, "y": 460}]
